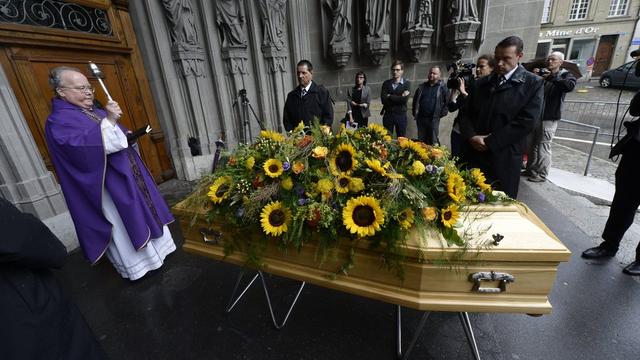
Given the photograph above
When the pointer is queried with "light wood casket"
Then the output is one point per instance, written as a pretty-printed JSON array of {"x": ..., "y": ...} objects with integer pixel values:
[{"x": 514, "y": 276}]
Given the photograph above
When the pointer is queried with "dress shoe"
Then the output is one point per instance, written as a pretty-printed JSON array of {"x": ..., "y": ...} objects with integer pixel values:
[
  {"x": 537, "y": 178},
  {"x": 598, "y": 253},
  {"x": 526, "y": 173},
  {"x": 632, "y": 269}
]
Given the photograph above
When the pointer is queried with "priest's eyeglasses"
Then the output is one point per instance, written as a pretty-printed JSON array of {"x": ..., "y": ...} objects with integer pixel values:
[{"x": 84, "y": 88}]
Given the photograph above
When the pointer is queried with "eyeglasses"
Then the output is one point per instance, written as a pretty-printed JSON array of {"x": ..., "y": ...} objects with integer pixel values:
[
  {"x": 360, "y": 77},
  {"x": 397, "y": 69},
  {"x": 84, "y": 88}
]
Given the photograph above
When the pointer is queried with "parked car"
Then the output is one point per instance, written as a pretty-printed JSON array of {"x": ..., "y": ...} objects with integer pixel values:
[{"x": 616, "y": 77}]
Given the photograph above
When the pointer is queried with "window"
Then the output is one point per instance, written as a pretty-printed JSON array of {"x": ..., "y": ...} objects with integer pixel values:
[
  {"x": 546, "y": 11},
  {"x": 579, "y": 9},
  {"x": 618, "y": 7}
]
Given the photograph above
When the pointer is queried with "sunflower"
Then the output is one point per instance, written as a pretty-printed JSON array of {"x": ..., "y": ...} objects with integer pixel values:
[
  {"x": 356, "y": 184},
  {"x": 219, "y": 189},
  {"x": 363, "y": 216},
  {"x": 343, "y": 183},
  {"x": 456, "y": 187},
  {"x": 449, "y": 215},
  {"x": 273, "y": 168},
  {"x": 379, "y": 129},
  {"x": 275, "y": 218},
  {"x": 345, "y": 159},
  {"x": 480, "y": 180},
  {"x": 406, "y": 218},
  {"x": 419, "y": 149},
  {"x": 271, "y": 135},
  {"x": 375, "y": 165}
]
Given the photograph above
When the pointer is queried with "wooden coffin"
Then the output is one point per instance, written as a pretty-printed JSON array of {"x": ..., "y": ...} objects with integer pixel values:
[{"x": 514, "y": 276}]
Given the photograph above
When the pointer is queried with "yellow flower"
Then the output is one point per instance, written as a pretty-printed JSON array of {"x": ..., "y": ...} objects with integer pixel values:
[
  {"x": 379, "y": 129},
  {"x": 343, "y": 183},
  {"x": 324, "y": 186},
  {"x": 271, "y": 135},
  {"x": 417, "y": 168},
  {"x": 437, "y": 153},
  {"x": 375, "y": 165},
  {"x": 250, "y": 162},
  {"x": 429, "y": 213},
  {"x": 406, "y": 218},
  {"x": 363, "y": 216},
  {"x": 344, "y": 160},
  {"x": 325, "y": 129},
  {"x": 356, "y": 185},
  {"x": 480, "y": 180},
  {"x": 319, "y": 152},
  {"x": 275, "y": 218},
  {"x": 450, "y": 215},
  {"x": 456, "y": 187},
  {"x": 299, "y": 127},
  {"x": 298, "y": 167},
  {"x": 403, "y": 141},
  {"x": 220, "y": 189},
  {"x": 273, "y": 168},
  {"x": 419, "y": 149},
  {"x": 287, "y": 183}
]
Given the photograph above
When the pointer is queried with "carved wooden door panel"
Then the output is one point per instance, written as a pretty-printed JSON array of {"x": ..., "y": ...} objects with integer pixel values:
[{"x": 28, "y": 67}]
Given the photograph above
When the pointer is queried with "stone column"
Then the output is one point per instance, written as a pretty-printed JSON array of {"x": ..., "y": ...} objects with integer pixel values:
[
  {"x": 299, "y": 31},
  {"x": 24, "y": 179}
]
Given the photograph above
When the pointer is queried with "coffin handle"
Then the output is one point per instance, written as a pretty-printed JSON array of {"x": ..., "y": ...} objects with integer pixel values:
[
  {"x": 502, "y": 278},
  {"x": 211, "y": 236}
]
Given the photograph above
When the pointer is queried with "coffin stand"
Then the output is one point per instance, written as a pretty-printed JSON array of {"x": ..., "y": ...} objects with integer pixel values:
[{"x": 510, "y": 268}]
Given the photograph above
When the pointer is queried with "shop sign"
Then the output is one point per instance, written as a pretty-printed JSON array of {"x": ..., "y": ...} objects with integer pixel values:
[{"x": 565, "y": 33}]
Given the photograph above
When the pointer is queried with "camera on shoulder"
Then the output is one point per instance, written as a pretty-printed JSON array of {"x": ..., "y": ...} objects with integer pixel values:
[
  {"x": 459, "y": 70},
  {"x": 544, "y": 72}
]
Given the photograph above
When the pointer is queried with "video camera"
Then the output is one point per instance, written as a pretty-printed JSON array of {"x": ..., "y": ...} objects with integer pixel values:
[
  {"x": 544, "y": 72},
  {"x": 459, "y": 71}
]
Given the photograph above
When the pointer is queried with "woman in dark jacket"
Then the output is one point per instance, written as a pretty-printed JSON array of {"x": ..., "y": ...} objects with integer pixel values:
[
  {"x": 359, "y": 100},
  {"x": 37, "y": 319}
]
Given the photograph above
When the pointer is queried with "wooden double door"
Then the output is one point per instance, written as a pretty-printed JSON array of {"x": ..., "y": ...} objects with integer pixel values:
[{"x": 27, "y": 69}]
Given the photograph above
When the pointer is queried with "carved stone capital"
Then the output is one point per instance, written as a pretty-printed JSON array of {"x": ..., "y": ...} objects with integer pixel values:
[
  {"x": 417, "y": 40},
  {"x": 190, "y": 57},
  {"x": 460, "y": 36},
  {"x": 377, "y": 47},
  {"x": 276, "y": 58},
  {"x": 236, "y": 59},
  {"x": 341, "y": 53}
]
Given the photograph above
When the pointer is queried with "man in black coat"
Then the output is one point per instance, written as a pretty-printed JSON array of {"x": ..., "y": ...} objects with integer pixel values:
[
  {"x": 626, "y": 199},
  {"x": 37, "y": 320},
  {"x": 394, "y": 95},
  {"x": 307, "y": 101},
  {"x": 429, "y": 105},
  {"x": 501, "y": 111}
]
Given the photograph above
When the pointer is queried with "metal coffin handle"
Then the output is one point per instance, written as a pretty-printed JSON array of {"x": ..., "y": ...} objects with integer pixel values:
[
  {"x": 211, "y": 236},
  {"x": 502, "y": 278}
]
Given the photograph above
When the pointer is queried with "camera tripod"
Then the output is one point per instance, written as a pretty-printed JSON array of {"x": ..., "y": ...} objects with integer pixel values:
[{"x": 245, "y": 113}]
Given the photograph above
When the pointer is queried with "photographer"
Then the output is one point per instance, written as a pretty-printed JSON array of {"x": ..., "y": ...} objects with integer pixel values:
[
  {"x": 627, "y": 196},
  {"x": 484, "y": 66},
  {"x": 429, "y": 105},
  {"x": 557, "y": 83}
]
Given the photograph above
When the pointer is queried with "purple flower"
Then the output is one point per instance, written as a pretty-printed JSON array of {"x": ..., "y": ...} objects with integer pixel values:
[
  {"x": 430, "y": 169},
  {"x": 302, "y": 201},
  {"x": 481, "y": 197},
  {"x": 286, "y": 166},
  {"x": 299, "y": 190}
]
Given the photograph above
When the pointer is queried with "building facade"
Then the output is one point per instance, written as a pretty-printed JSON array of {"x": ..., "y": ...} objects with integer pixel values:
[
  {"x": 595, "y": 34},
  {"x": 181, "y": 65}
]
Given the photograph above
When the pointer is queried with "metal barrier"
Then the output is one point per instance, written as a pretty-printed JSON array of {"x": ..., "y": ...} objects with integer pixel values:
[{"x": 598, "y": 116}]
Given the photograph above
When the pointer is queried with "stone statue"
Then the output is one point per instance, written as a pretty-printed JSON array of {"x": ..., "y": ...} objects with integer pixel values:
[
  {"x": 419, "y": 15},
  {"x": 230, "y": 19},
  {"x": 183, "y": 27},
  {"x": 463, "y": 10},
  {"x": 376, "y": 17},
  {"x": 273, "y": 22},
  {"x": 341, "y": 26}
]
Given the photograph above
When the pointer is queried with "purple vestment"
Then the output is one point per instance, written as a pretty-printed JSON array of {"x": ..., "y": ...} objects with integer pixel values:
[{"x": 78, "y": 155}]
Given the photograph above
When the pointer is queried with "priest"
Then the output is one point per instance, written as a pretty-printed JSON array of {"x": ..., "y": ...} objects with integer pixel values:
[{"x": 114, "y": 202}]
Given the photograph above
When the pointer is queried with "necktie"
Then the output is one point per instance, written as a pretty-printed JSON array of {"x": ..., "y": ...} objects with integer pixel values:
[
  {"x": 303, "y": 92},
  {"x": 502, "y": 80}
]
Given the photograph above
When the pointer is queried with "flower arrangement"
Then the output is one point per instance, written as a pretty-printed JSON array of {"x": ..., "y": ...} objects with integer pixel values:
[{"x": 356, "y": 185}]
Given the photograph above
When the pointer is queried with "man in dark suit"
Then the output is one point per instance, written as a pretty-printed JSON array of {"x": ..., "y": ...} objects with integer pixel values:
[
  {"x": 501, "y": 111},
  {"x": 394, "y": 95},
  {"x": 429, "y": 105},
  {"x": 307, "y": 101}
]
